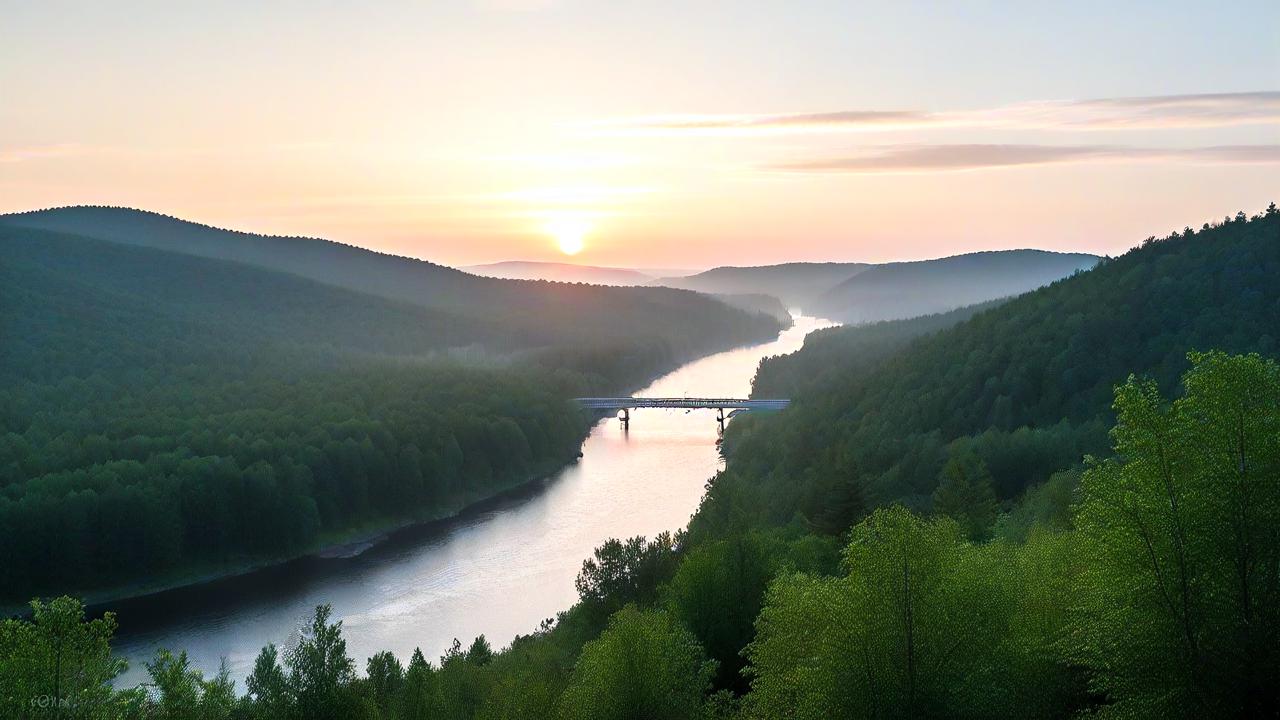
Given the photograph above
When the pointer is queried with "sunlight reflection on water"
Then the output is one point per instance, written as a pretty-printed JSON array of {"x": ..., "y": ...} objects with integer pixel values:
[{"x": 498, "y": 572}]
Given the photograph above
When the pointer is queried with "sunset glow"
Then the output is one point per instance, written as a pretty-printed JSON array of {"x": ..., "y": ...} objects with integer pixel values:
[
  {"x": 569, "y": 231},
  {"x": 473, "y": 132}
]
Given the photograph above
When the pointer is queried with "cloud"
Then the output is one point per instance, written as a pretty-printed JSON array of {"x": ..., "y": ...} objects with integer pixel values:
[
  {"x": 748, "y": 124},
  {"x": 944, "y": 158},
  {"x": 1164, "y": 111}
]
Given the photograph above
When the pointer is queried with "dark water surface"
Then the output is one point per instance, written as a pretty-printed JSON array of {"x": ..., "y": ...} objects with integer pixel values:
[{"x": 498, "y": 570}]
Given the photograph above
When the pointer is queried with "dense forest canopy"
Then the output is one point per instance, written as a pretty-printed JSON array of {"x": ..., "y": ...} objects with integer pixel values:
[
  {"x": 1024, "y": 387},
  {"x": 935, "y": 528},
  {"x": 832, "y": 352},
  {"x": 542, "y": 313},
  {"x": 165, "y": 415},
  {"x": 1160, "y": 597}
]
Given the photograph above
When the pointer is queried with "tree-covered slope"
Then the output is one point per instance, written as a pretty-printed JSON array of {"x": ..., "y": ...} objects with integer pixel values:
[
  {"x": 75, "y": 306},
  {"x": 1026, "y": 386},
  {"x": 795, "y": 284},
  {"x": 833, "y": 351},
  {"x": 1144, "y": 585},
  {"x": 909, "y": 289},
  {"x": 164, "y": 415},
  {"x": 544, "y": 313}
]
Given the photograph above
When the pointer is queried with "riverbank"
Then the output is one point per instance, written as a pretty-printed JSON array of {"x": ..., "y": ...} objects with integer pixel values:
[
  {"x": 499, "y": 568},
  {"x": 345, "y": 545}
]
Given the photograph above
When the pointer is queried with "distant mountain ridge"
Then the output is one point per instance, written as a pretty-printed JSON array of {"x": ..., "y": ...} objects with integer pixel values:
[
  {"x": 866, "y": 292},
  {"x": 538, "y": 312},
  {"x": 795, "y": 284},
  {"x": 175, "y": 402},
  {"x": 902, "y": 290},
  {"x": 1026, "y": 383},
  {"x": 559, "y": 272}
]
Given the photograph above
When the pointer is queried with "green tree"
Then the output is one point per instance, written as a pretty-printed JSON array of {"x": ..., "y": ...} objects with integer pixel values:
[
  {"x": 316, "y": 681},
  {"x": 914, "y": 629},
  {"x": 717, "y": 593},
  {"x": 59, "y": 664},
  {"x": 268, "y": 685},
  {"x": 386, "y": 677},
  {"x": 419, "y": 687},
  {"x": 966, "y": 495},
  {"x": 480, "y": 653},
  {"x": 1180, "y": 597},
  {"x": 182, "y": 693},
  {"x": 319, "y": 668},
  {"x": 645, "y": 666},
  {"x": 625, "y": 572}
]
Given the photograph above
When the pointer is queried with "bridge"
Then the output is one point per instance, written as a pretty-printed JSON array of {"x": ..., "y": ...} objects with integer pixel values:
[{"x": 627, "y": 404}]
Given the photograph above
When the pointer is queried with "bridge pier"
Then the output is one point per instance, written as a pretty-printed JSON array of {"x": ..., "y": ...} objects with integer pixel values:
[{"x": 624, "y": 405}]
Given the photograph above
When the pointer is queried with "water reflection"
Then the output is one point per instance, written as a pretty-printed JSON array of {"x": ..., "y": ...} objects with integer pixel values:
[{"x": 498, "y": 570}]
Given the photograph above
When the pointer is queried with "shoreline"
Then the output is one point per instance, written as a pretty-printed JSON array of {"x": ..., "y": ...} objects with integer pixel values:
[
  {"x": 342, "y": 545},
  {"x": 345, "y": 546}
]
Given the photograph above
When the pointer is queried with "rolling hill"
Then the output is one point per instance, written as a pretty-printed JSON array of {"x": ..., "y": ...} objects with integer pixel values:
[
  {"x": 862, "y": 292},
  {"x": 1026, "y": 386},
  {"x": 795, "y": 284},
  {"x": 166, "y": 416},
  {"x": 908, "y": 289},
  {"x": 540, "y": 312}
]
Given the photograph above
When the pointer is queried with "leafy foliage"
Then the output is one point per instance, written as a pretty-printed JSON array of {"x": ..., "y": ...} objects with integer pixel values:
[
  {"x": 1025, "y": 385},
  {"x": 1146, "y": 586},
  {"x": 1181, "y": 602},
  {"x": 56, "y": 663},
  {"x": 644, "y": 665},
  {"x": 164, "y": 415}
]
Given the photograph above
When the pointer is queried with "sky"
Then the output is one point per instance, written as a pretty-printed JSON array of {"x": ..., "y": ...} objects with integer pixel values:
[{"x": 650, "y": 134}]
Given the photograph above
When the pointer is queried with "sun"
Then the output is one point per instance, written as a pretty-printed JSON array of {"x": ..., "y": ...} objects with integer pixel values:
[{"x": 569, "y": 231}]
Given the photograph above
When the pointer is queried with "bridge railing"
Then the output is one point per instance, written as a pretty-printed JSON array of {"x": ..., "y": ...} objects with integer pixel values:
[{"x": 630, "y": 403}]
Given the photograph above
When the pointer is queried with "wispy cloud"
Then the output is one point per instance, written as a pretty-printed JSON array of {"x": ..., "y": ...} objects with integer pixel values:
[
  {"x": 1165, "y": 111},
  {"x": 944, "y": 158}
]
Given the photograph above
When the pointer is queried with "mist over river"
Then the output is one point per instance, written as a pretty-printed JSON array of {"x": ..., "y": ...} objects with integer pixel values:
[{"x": 497, "y": 570}]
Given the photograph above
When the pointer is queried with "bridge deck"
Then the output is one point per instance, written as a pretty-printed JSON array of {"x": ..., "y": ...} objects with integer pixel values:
[{"x": 631, "y": 403}]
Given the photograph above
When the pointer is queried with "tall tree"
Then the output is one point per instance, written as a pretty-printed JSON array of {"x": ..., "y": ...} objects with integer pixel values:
[
  {"x": 1179, "y": 612},
  {"x": 914, "y": 629},
  {"x": 645, "y": 666},
  {"x": 58, "y": 663},
  {"x": 966, "y": 495}
]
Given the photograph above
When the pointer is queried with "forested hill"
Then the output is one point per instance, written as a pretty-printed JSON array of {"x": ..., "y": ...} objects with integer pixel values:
[
  {"x": 832, "y": 352},
  {"x": 75, "y": 307},
  {"x": 910, "y": 289},
  {"x": 1025, "y": 387},
  {"x": 795, "y": 284},
  {"x": 1146, "y": 585},
  {"x": 165, "y": 416},
  {"x": 546, "y": 313},
  {"x": 67, "y": 280}
]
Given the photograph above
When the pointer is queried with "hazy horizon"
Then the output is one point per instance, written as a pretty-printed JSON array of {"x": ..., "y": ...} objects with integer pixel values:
[{"x": 531, "y": 130}]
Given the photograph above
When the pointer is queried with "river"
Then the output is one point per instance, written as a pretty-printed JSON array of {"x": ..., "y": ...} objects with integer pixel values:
[{"x": 498, "y": 570}]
